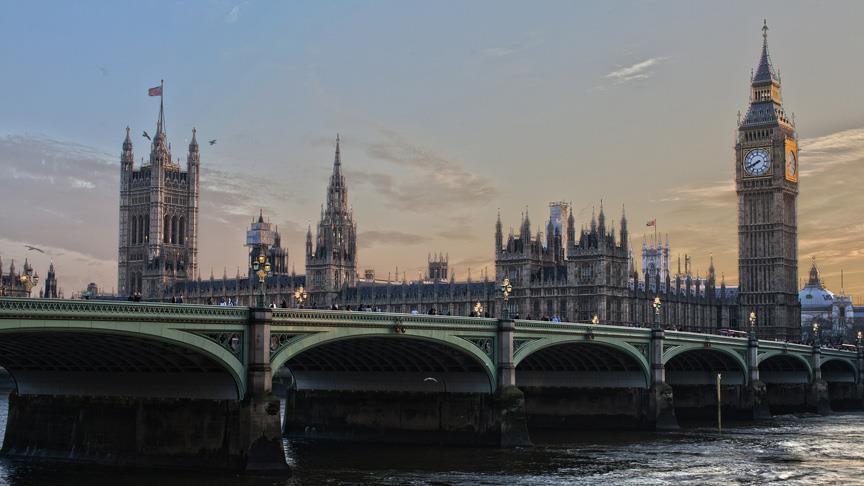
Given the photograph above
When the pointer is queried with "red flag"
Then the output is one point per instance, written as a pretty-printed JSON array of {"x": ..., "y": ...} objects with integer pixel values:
[
  {"x": 653, "y": 222},
  {"x": 157, "y": 91}
]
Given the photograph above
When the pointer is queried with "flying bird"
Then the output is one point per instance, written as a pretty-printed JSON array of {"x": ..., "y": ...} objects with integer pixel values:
[
  {"x": 213, "y": 142},
  {"x": 146, "y": 136},
  {"x": 29, "y": 247}
]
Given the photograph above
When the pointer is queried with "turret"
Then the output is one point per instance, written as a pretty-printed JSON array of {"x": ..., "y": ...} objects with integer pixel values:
[
  {"x": 499, "y": 235},
  {"x": 127, "y": 157},
  {"x": 601, "y": 222},
  {"x": 309, "y": 241},
  {"x": 625, "y": 236}
]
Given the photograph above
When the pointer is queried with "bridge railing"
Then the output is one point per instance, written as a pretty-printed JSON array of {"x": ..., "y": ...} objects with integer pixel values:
[
  {"x": 24, "y": 308},
  {"x": 343, "y": 317}
]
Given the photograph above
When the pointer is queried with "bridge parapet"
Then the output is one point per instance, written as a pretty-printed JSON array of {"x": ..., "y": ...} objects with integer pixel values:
[
  {"x": 56, "y": 309},
  {"x": 342, "y": 318}
]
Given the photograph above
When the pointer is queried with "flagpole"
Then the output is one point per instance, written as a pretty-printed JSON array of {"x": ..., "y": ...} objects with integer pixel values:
[{"x": 162, "y": 101}]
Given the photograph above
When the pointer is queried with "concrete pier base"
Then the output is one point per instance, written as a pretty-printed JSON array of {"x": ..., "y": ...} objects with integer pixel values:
[
  {"x": 661, "y": 407},
  {"x": 512, "y": 418},
  {"x": 176, "y": 433},
  {"x": 818, "y": 398},
  {"x": 756, "y": 398},
  {"x": 409, "y": 417}
]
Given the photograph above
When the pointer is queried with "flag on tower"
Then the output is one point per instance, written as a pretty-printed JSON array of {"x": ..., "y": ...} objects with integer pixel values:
[
  {"x": 653, "y": 222},
  {"x": 157, "y": 91}
]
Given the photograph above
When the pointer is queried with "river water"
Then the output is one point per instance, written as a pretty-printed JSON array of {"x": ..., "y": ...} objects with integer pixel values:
[{"x": 789, "y": 450}]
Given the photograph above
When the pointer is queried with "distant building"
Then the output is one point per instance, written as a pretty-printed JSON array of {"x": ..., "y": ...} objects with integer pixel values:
[
  {"x": 49, "y": 288},
  {"x": 331, "y": 263},
  {"x": 158, "y": 242},
  {"x": 437, "y": 267},
  {"x": 838, "y": 319},
  {"x": 243, "y": 288},
  {"x": 11, "y": 284}
]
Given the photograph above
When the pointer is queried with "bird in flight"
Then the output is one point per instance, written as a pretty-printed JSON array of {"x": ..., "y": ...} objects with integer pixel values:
[
  {"x": 146, "y": 136},
  {"x": 29, "y": 247},
  {"x": 213, "y": 142}
]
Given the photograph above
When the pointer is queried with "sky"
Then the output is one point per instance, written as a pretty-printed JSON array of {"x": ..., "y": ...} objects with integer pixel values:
[{"x": 448, "y": 112}]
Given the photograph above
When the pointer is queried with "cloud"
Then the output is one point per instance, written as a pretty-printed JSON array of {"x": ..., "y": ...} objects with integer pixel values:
[
  {"x": 234, "y": 14},
  {"x": 77, "y": 183},
  {"x": 640, "y": 70},
  {"x": 368, "y": 239},
  {"x": 426, "y": 180},
  {"x": 529, "y": 40},
  {"x": 820, "y": 154},
  {"x": 498, "y": 51}
]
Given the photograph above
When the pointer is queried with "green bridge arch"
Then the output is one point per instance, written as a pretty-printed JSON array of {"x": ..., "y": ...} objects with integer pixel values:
[
  {"x": 627, "y": 348},
  {"x": 184, "y": 336},
  {"x": 684, "y": 348},
  {"x": 312, "y": 340},
  {"x": 762, "y": 357}
]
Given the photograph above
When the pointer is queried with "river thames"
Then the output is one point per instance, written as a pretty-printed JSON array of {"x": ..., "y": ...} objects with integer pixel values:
[{"x": 789, "y": 450}]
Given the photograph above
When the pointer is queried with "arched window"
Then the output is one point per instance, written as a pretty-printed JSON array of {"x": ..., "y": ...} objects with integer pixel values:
[
  {"x": 133, "y": 230},
  {"x": 166, "y": 229},
  {"x": 181, "y": 231},
  {"x": 174, "y": 229},
  {"x": 146, "y": 235},
  {"x": 139, "y": 230}
]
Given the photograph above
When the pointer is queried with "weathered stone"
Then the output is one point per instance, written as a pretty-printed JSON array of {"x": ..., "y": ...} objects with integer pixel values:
[{"x": 181, "y": 433}]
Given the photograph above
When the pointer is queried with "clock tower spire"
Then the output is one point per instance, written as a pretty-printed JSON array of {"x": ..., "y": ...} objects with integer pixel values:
[{"x": 766, "y": 181}]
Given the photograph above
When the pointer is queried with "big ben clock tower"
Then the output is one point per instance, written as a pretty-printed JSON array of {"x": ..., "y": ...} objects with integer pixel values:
[{"x": 766, "y": 181}]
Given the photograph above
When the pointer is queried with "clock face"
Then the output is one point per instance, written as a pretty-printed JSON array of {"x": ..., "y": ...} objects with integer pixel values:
[
  {"x": 791, "y": 165},
  {"x": 757, "y": 162}
]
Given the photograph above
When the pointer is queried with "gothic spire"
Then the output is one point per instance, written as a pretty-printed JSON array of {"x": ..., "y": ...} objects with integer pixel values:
[
  {"x": 160, "y": 123},
  {"x": 338, "y": 160},
  {"x": 765, "y": 73},
  {"x": 193, "y": 144}
]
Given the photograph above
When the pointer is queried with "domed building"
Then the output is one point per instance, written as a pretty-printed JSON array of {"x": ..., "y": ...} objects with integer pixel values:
[{"x": 833, "y": 312}]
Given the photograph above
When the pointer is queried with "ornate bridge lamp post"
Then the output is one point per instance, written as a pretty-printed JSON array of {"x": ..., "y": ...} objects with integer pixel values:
[
  {"x": 752, "y": 325},
  {"x": 595, "y": 320},
  {"x": 657, "y": 305},
  {"x": 816, "y": 339},
  {"x": 29, "y": 279},
  {"x": 261, "y": 267},
  {"x": 478, "y": 310},
  {"x": 300, "y": 296},
  {"x": 506, "y": 290}
]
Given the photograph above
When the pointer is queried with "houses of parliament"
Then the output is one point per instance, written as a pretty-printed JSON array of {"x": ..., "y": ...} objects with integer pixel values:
[{"x": 558, "y": 270}]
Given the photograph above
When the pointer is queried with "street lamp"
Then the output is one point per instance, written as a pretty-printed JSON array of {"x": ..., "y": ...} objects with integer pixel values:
[
  {"x": 815, "y": 334},
  {"x": 478, "y": 309},
  {"x": 29, "y": 279},
  {"x": 506, "y": 290},
  {"x": 300, "y": 296},
  {"x": 657, "y": 305},
  {"x": 753, "y": 324},
  {"x": 261, "y": 268},
  {"x": 595, "y": 320}
]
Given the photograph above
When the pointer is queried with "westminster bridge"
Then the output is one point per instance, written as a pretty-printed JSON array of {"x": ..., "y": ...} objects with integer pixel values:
[{"x": 192, "y": 385}]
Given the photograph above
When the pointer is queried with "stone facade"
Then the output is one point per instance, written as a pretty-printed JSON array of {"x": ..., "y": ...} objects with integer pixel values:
[
  {"x": 11, "y": 284},
  {"x": 331, "y": 263},
  {"x": 158, "y": 243},
  {"x": 593, "y": 277},
  {"x": 766, "y": 179},
  {"x": 49, "y": 288}
]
